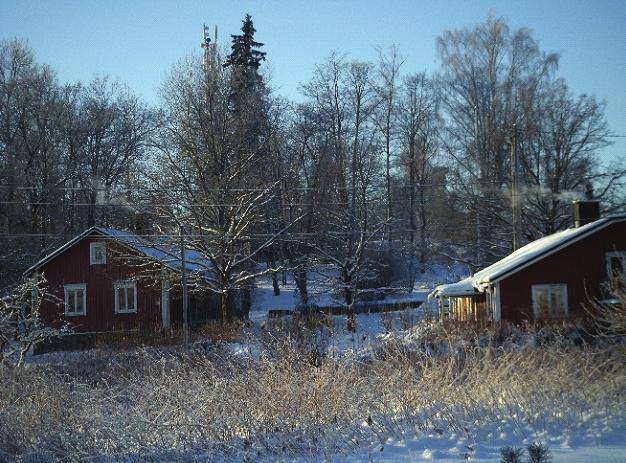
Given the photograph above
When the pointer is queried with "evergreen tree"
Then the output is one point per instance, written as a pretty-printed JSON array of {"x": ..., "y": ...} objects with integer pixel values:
[
  {"x": 250, "y": 108},
  {"x": 243, "y": 47},
  {"x": 245, "y": 56},
  {"x": 248, "y": 95}
]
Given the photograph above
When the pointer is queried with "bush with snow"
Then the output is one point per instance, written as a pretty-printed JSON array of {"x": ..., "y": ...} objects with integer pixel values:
[
  {"x": 21, "y": 326},
  {"x": 278, "y": 401}
]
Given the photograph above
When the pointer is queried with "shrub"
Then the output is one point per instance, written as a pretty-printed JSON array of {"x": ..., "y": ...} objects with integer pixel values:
[
  {"x": 511, "y": 454},
  {"x": 609, "y": 317},
  {"x": 241, "y": 406},
  {"x": 538, "y": 453}
]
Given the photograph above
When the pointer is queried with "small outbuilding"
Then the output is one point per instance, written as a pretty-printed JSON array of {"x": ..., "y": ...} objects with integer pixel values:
[{"x": 550, "y": 279}]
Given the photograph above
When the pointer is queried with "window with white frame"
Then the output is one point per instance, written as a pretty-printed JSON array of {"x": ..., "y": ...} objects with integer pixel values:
[
  {"x": 550, "y": 301},
  {"x": 615, "y": 264},
  {"x": 97, "y": 253},
  {"x": 75, "y": 299},
  {"x": 125, "y": 297}
]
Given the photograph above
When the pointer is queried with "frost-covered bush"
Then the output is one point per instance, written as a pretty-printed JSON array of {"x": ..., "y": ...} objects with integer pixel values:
[
  {"x": 609, "y": 316},
  {"x": 21, "y": 326},
  {"x": 271, "y": 400}
]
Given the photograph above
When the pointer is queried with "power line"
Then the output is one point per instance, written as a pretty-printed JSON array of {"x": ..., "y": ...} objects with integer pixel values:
[
  {"x": 122, "y": 190},
  {"x": 175, "y": 238},
  {"x": 284, "y": 205}
]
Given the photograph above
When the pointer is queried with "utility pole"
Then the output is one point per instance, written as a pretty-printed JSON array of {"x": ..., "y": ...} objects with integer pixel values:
[
  {"x": 481, "y": 178},
  {"x": 185, "y": 294},
  {"x": 515, "y": 197}
]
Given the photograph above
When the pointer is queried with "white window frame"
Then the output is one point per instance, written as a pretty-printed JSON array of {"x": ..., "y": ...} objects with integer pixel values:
[
  {"x": 609, "y": 269},
  {"x": 124, "y": 285},
  {"x": 92, "y": 252},
  {"x": 549, "y": 287},
  {"x": 75, "y": 287}
]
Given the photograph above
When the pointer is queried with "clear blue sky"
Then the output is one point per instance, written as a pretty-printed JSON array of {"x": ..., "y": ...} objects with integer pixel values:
[{"x": 138, "y": 41}]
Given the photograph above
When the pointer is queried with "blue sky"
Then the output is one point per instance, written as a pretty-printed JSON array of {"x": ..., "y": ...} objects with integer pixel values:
[{"x": 138, "y": 41}]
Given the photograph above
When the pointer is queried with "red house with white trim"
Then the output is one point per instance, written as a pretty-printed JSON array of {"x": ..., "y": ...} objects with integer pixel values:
[
  {"x": 110, "y": 280},
  {"x": 549, "y": 279}
]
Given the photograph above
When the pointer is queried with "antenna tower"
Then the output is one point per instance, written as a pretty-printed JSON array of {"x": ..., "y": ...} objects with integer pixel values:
[{"x": 210, "y": 49}]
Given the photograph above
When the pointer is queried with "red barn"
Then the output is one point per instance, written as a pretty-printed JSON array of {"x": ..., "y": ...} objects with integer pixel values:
[
  {"x": 549, "y": 279},
  {"x": 110, "y": 280}
]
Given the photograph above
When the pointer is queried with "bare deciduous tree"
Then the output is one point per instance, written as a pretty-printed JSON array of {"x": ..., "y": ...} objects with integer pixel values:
[{"x": 21, "y": 325}]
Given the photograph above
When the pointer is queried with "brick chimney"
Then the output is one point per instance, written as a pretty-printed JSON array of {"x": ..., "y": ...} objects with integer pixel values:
[{"x": 585, "y": 211}]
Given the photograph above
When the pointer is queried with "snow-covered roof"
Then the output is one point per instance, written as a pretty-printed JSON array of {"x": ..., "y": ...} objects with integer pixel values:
[
  {"x": 162, "y": 252},
  {"x": 525, "y": 256},
  {"x": 464, "y": 287}
]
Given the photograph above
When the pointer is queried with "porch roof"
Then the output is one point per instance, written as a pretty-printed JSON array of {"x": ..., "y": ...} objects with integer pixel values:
[{"x": 464, "y": 287}]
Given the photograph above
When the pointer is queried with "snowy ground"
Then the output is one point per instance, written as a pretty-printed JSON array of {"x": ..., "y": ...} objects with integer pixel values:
[
  {"x": 606, "y": 445},
  {"x": 320, "y": 289}
]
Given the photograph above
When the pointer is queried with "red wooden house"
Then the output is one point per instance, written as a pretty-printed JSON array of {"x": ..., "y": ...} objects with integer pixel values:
[
  {"x": 110, "y": 280},
  {"x": 549, "y": 279}
]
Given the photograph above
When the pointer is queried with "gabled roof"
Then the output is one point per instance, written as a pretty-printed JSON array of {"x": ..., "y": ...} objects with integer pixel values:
[
  {"x": 164, "y": 253},
  {"x": 528, "y": 255}
]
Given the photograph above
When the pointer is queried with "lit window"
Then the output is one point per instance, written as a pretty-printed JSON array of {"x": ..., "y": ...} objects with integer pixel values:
[
  {"x": 75, "y": 299},
  {"x": 549, "y": 301},
  {"x": 97, "y": 253},
  {"x": 126, "y": 297}
]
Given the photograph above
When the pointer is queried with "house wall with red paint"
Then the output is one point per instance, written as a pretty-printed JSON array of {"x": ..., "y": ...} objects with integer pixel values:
[
  {"x": 581, "y": 265},
  {"x": 73, "y": 267}
]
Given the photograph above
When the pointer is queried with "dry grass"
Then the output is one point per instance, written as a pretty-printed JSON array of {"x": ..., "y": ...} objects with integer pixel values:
[{"x": 147, "y": 403}]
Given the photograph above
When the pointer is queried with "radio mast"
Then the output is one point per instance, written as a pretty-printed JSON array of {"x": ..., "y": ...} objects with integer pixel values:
[{"x": 210, "y": 49}]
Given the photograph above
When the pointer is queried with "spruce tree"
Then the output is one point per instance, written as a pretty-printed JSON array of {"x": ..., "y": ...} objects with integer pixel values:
[
  {"x": 247, "y": 90},
  {"x": 245, "y": 59},
  {"x": 244, "y": 48},
  {"x": 249, "y": 123}
]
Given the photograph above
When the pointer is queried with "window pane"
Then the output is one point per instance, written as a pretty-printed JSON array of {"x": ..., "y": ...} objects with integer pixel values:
[
  {"x": 70, "y": 301},
  {"x": 130, "y": 295},
  {"x": 557, "y": 303},
  {"x": 617, "y": 266},
  {"x": 98, "y": 253},
  {"x": 121, "y": 299},
  {"x": 541, "y": 298},
  {"x": 78, "y": 297}
]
